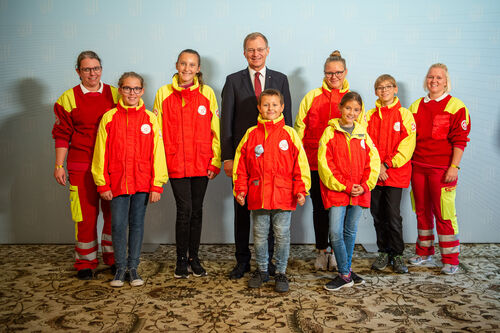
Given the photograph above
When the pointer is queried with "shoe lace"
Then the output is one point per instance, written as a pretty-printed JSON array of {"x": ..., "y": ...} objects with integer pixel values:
[{"x": 280, "y": 278}]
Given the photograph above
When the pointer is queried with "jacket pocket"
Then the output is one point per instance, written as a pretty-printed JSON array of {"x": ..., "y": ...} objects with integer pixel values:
[
  {"x": 143, "y": 177},
  {"x": 74, "y": 201},
  {"x": 255, "y": 192},
  {"x": 283, "y": 191},
  {"x": 440, "y": 126}
]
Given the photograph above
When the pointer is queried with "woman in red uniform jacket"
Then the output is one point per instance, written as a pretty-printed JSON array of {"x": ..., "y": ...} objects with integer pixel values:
[
  {"x": 78, "y": 112},
  {"x": 190, "y": 121},
  {"x": 443, "y": 127},
  {"x": 316, "y": 109}
]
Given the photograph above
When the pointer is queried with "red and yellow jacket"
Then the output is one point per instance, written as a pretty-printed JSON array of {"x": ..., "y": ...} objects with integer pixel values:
[
  {"x": 441, "y": 125},
  {"x": 345, "y": 160},
  {"x": 77, "y": 119},
  {"x": 270, "y": 166},
  {"x": 191, "y": 130},
  {"x": 128, "y": 154},
  {"x": 317, "y": 108},
  {"x": 392, "y": 129}
]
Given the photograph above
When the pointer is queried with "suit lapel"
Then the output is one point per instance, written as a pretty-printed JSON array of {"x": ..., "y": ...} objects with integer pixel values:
[
  {"x": 268, "y": 84},
  {"x": 245, "y": 80}
]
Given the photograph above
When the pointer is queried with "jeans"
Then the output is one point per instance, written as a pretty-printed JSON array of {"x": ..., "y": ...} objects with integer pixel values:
[
  {"x": 189, "y": 193},
  {"x": 128, "y": 210},
  {"x": 280, "y": 220},
  {"x": 343, "y": 226}
]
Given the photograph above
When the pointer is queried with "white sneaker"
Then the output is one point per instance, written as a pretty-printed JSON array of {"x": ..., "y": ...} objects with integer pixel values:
[
  {"x": 332, "y": 263},
  {"x": 449, "y": 269},
  {"x": 419, "y": 260},
  {"x": 321, "y": 262}
]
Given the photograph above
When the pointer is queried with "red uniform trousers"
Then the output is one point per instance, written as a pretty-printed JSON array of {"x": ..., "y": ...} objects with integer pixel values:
[
  {"x": 435, "y": 199},
  {"x": 84, "y": 200}
]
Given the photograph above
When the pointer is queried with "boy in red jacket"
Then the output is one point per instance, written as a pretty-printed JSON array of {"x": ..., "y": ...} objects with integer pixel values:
[{"x": 271, "y": 169}]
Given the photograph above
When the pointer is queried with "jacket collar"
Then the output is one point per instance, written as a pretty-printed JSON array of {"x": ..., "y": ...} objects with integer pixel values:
[
  {"x": 394, "y": 105},
  {"x": 123, "y": 107},
  {"x": 175, "y": 84},
  {"x": 271, "y": 125},
  {"x": 359, "y": 130}
]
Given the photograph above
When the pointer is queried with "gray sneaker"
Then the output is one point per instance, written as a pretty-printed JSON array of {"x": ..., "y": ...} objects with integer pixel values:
[
  {"x": 398, "y": 265},
  {"x": 321, "y": 262},
  {"x": 280, "y": 283},
  {"x": 381, "y": 262},
  {"x": 258, "y": 278}
]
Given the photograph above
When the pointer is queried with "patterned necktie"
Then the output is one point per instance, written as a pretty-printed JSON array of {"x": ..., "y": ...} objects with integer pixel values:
[{"x": 258, "y": 86}]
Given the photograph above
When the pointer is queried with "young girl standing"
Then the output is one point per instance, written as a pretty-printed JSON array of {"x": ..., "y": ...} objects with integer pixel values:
[
  {"x": 348, "y": 166},
  {"x": 129, "y": 168},
  {"x": 190, "y": 121}
]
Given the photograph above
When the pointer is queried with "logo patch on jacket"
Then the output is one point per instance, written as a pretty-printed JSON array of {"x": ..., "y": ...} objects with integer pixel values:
[
  {"x": 397, "y": 126},
  {"x": 146, "y": 128},
  {"x": 464, "y": 125},
  {"x": 259, "y": 149},
  {"x": 202, "y": 110},
  {"x": 283, "y": 145},
  {"x": 256, "y": 182}
]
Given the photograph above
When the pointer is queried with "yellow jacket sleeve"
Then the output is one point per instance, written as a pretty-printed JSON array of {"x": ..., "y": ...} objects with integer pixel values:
[
  {"x": 302, "y": 173},
  {"x": 215, "y": 127},
  {"x": 407, "y": 145},
  {"x": 240, "y": 173},
  {"x": 324, "y": 156},
  {"x": 99, "y": 166},
  {"x": 159, "y": 162},
  {"x": 374, "y": 164},
  {"x": 305, "y": 106}
]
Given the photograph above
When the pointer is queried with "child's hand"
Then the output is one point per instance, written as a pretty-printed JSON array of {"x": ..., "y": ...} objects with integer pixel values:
[
  {"x": 154, "y": 197},
  {"x": 241, "y": 199},
  {"x": 211, "y": 174},
  {"x": 301, "y": 199},
  {"x": 357, "y": 190},
  {"x": 383, "y": 173},
  {"x": 108, "y": 195}
]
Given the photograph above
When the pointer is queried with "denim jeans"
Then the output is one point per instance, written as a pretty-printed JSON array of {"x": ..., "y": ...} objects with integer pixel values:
[
  {"x": 189, "y": 193},
  {"x": 281, "y": 225},
  {"x": 343, "y": 226},
  {"x": 128, "y": 210}
]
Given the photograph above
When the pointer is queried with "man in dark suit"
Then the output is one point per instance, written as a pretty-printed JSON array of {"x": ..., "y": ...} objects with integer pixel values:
[{"x": 239, "y": 112}]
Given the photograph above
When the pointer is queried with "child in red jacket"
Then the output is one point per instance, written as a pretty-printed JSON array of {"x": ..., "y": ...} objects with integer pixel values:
[
  {"x": 348, "y": 165},
  {"x": 128, "y": 168},
  {"x": 271, "y": 169},
  {"x": 392, "y": 129}
]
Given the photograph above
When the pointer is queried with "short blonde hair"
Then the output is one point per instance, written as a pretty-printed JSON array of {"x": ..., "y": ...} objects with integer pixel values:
[
  {"x": 385, "y": 77},
  {"x": 443, "y": 67}
]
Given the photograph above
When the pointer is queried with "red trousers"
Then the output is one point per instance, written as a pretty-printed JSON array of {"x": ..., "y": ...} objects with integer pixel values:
[
  {"x": 84, "y": 200},
  {"x": 435, "y": 199}
]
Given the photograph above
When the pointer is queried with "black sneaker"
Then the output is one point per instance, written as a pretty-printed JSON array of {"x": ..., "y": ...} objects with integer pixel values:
[
  {"x": 258, "y": 278},
  {"x": 381, "y": 262},
  {"x": 280, "y": 283},
  {"x": 357, "y": 279},
  {"x": 119, "y": 278},
  {"x": 339, "y": 283},
  {"x": 113, "y": 269},
  {"x": 85, "y": 274},
  {"x": 398, "y": 265},
  {"x": 135, "y": 278},
  {"x": 239, "y": 270},
  {"x": 181, "y": 269},
  {"x": 196, "y": 268}
]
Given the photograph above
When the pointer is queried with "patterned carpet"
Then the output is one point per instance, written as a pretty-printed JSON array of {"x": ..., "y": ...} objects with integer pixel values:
[{"x": 39, "y": 293}]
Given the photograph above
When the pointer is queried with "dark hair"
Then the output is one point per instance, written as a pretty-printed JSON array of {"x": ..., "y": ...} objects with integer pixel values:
[
  {"x": 351, "y": 96},
  {"x": 199, "y": 75},
  {"x": 85, "y": 55},
  {"x": 252, "y": 36},
  {"x": 335, "y": 56},
  {"x": 130, "y": 74},
  {"x": 271, "y": 92}
]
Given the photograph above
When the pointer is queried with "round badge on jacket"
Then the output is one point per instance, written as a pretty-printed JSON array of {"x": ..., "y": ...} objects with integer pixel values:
[
  {"x": 202, "y": 110},
  {"x": 146, "y": 128},
  {"x": 259, "y": 149},
  {"x": 397, "y": 126},
  {"x": 362, "y": 143},
  {"x": 283, "y": 145},
  {"x": 464, "y": 125}
]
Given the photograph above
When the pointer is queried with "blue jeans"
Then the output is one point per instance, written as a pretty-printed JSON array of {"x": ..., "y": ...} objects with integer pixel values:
[
  {"x": 343, "y": 226},
  {"x": 128, "y": 210},
  {"x": 281, "y": 225}
]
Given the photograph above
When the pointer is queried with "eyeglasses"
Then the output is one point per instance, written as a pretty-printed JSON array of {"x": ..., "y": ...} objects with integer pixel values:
[
  {"x": 129, "y": 90},
  {"x": 96, "y": 69},
  {"x": 259, "y": 50},
  {"x": 337, "y": 74},
  {"x": 384, "y": 88}
]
